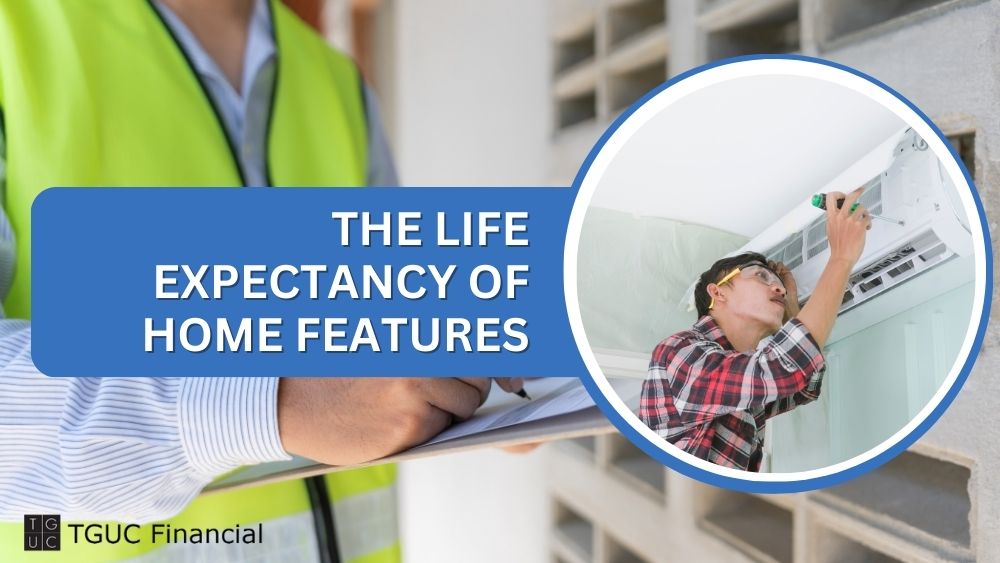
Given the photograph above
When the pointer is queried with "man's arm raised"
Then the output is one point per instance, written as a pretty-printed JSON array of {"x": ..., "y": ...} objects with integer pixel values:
[{"x": 846, "y": 233}]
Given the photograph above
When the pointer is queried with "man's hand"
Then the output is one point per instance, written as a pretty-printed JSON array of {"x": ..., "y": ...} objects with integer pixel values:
[
  {"x": 844, "y": 229},
  {"x": 510, "y": 384},
  {"x": 791, "y": 289},
  {"x": 342, "y": 421}
]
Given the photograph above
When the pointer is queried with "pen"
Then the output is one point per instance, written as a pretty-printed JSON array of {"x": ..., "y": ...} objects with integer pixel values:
[{"x": 523, "y": 394}]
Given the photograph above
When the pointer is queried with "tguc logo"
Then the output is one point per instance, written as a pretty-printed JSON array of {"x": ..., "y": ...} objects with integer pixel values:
[{"x": 41, "y": 532}]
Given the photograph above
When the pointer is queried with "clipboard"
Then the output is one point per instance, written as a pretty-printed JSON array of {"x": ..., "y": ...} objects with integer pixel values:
[{"x": 587, "y": 421}]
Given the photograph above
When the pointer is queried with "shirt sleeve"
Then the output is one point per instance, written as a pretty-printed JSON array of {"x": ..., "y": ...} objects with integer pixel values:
[
  {"x": 805, "y": 396},
  {"x": 703, "y": 381},
  {"x": 381, "y": 167},
  {"x": 125, "y": 449}
]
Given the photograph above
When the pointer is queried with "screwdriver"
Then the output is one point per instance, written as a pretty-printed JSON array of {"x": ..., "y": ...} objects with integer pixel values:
[{"x": 819, "y": 201}]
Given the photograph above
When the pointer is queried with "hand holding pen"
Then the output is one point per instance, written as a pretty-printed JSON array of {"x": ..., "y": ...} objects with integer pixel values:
[{"x": 513, "y": 385}]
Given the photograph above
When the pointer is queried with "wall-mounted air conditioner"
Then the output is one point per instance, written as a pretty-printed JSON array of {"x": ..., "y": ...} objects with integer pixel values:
[{"x": 913, "y": 189}]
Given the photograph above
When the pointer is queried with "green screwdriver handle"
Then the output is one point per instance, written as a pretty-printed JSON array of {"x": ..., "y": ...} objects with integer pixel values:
[{"x": 819, "y": 200}]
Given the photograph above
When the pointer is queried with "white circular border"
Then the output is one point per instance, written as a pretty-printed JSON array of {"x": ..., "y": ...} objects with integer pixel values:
[{"x": 691, "y": 84}]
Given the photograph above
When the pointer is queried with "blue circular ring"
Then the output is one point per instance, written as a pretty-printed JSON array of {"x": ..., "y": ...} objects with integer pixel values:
[{"x": 828, "y": 480}]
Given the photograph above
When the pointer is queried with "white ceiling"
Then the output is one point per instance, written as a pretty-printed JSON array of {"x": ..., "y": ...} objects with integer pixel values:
[{"x": 738, "y": 155}]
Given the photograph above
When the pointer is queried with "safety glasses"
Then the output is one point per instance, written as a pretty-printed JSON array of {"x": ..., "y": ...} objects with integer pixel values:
[{"x": 751, "y": 271}]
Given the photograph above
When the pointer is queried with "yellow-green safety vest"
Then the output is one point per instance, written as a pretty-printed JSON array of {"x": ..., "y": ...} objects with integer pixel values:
[{"x": 98, "y": 93}]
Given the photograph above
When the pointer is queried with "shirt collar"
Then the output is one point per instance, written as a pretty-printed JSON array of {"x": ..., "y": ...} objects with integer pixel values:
[
  {"x": 711, "y": 330},
  {"x": 260, "y": 43},
  {"x": 260, "y": 47}
]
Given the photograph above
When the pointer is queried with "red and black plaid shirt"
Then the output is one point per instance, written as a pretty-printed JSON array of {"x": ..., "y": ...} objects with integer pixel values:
[{"x": 713, "y": 402}]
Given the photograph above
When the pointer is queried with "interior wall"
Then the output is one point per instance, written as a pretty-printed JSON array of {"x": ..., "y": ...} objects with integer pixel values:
[{"x": 876, "y": 381}]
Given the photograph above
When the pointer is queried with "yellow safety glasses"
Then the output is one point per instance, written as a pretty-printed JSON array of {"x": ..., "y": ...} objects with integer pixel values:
[{"x": 754, "y": 270}]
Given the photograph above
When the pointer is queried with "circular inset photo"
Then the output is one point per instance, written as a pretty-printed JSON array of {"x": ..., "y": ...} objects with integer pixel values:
[{"x": 787, "y": 262}]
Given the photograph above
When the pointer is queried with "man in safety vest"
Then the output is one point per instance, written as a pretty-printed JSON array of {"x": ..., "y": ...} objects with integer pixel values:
[{"x": 189, "y": 93}]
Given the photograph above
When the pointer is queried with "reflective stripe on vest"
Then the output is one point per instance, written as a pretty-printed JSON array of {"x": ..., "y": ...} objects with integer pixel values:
[
  {"x": 365, "y": 513},
  {"x": 97, "y": 93}
]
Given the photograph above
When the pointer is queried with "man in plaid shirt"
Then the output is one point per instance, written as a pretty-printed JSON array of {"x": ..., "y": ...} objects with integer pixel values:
[{"x": 752, "y": 354}]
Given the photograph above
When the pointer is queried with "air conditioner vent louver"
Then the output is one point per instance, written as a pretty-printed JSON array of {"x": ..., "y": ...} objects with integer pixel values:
[
  {"x": 820, "y": 247},
  {"x": 904, "y": 267},
  {"x": 817, "y": 233},
  {"x": 789, "y": 251},
  {"x": 872, "y": 198},
  {"x": 926, "y": 256},
  {"x": 895, "y": 267}
]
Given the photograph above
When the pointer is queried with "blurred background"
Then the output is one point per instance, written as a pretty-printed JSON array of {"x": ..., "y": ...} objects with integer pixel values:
[{"x": 516, "y": 92}]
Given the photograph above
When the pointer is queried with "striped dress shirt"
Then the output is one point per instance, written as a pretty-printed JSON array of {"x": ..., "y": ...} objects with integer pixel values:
[{"x": 140, "y": 449}]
